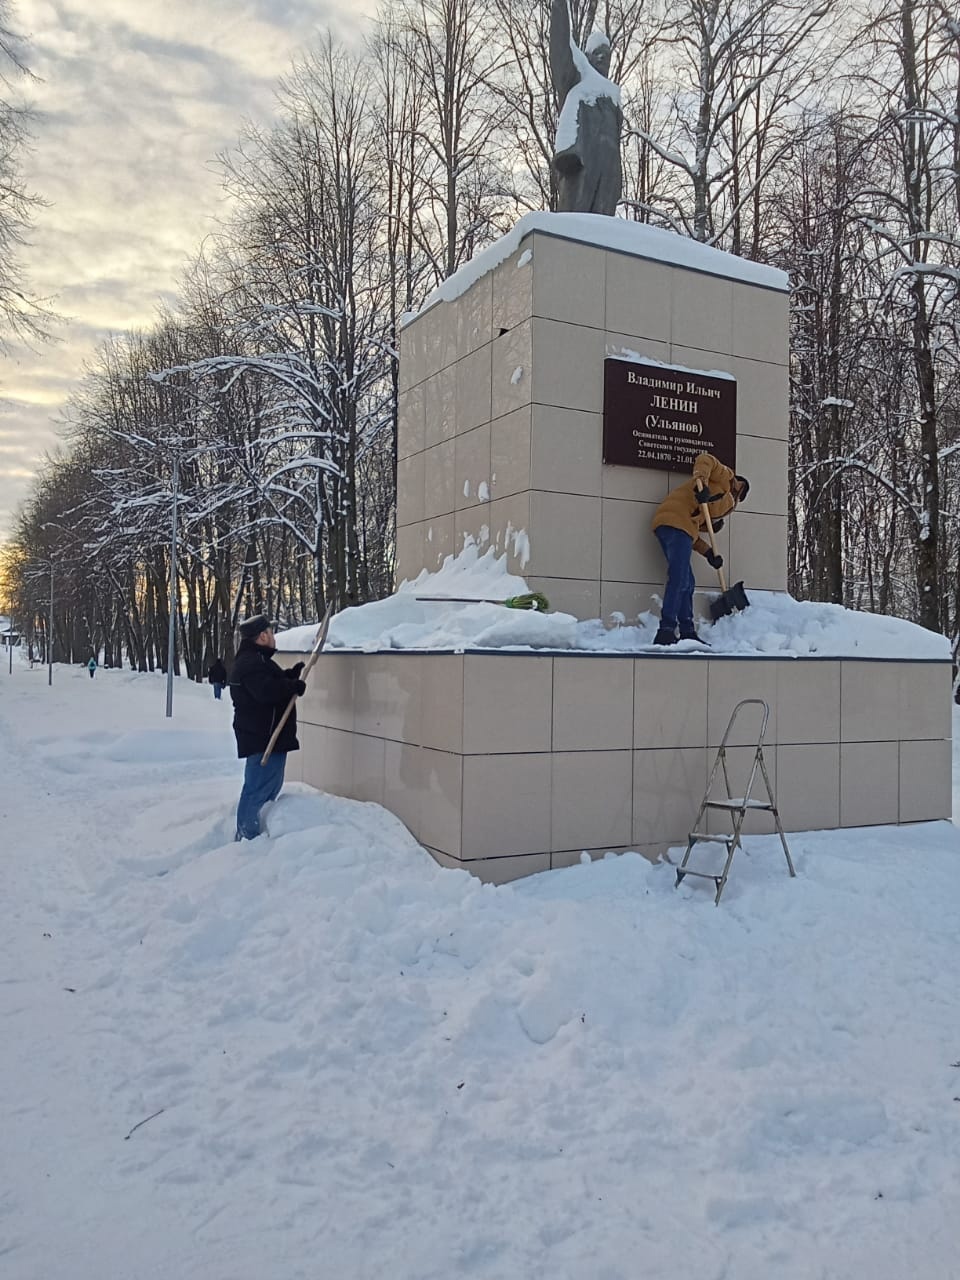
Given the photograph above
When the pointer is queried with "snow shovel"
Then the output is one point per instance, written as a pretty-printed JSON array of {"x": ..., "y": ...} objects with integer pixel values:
[
  {"x": 534, "y": 600},
  {"x": 314, "y": 655},
  {"x": 731, "y": 600}
]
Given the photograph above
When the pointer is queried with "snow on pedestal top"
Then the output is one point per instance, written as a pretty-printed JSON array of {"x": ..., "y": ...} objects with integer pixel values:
[
  {"x": 617, "y": 234},
  {"x": 417, "y": 617}
]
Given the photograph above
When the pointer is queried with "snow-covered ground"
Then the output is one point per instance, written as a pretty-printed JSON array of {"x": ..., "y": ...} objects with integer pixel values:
[
  {"x": 347, "y": 1062},
  {"x": 422, "y": 615}
]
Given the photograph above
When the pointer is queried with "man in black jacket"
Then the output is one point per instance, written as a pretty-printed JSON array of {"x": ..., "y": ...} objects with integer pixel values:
[
  {"x": 260, "y": 690},
  {"x": 217, "y": 675}
]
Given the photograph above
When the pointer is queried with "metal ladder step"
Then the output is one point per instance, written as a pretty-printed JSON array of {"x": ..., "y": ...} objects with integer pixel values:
[
  {"x": 701, "y": 875},
  {"x": 733, "y": 805}
]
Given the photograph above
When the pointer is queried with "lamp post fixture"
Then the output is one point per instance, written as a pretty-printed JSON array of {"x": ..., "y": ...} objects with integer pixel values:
[
  {"x": 50, "y": 636},
  {"x": 51, "y": 524},
  {"x": 171, "y": 629}
]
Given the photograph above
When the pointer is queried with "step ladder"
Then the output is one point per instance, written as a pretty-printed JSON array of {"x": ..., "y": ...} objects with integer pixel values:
[{"x": 736, "y": 806}]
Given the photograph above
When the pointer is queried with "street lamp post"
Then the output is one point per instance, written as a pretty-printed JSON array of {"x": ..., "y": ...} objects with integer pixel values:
[
  {"x": 50, "y": 636},
  {"x": 171, "y": 633}
]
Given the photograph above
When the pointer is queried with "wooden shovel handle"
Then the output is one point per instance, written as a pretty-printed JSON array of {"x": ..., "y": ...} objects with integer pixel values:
[
  {"x": 713, "y": 543},
  {"x": 308, "y": 665}
]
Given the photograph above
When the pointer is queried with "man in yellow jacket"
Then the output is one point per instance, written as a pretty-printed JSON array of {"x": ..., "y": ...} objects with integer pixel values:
[{"x": 678, "y": 523}]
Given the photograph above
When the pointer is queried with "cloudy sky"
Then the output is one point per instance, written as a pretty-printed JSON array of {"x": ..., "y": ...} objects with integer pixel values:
[{"x": 137, "y": 98}]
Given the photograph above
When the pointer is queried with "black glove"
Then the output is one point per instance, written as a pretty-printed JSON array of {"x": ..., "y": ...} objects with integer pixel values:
[
  {"x": 704, "y": 495},
  {"x": 713, "y": 560},
  {"x": 717, "y": 524},
  {"x": 301, "y": 687},
  {"x": 294, "y": 671}
]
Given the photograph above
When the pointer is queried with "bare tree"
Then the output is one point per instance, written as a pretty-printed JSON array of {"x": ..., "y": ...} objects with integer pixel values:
[
  {"x": 453, "y": 63},
  {"x": 911, "y": 206},
  {"x": 22, "y": 316},
  {"x": 741, "y": 68}
]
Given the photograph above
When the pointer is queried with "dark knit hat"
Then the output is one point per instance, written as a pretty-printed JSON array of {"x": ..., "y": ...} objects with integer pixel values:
[
  {"x": 746, "y": 487},
  {"x": 251, "y": 627}
]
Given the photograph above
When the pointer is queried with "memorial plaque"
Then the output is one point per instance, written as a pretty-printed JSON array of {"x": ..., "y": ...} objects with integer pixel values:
[{"x": 662, "y": 417}]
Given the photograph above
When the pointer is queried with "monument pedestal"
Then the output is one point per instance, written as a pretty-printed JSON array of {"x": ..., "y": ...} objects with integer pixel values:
[
  {"x": 512, "y": 763},
  {"x": 502, "y": 404}
]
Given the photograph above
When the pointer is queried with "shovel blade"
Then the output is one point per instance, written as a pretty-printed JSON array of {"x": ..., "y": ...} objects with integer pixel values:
[{"x": 733, "y": 600}]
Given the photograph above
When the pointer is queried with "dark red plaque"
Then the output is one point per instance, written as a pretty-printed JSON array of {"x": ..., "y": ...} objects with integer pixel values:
[{"x": 662, "y": 417}]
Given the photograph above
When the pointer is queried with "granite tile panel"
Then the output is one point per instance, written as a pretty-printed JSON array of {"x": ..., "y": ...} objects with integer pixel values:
[
  {"x": 629, "y": 551},
  {"x": 808, "y": 701},
  {"x": 475, "y": 317},
  {"x": 411, "y": 422},
  {"x": 869, "y": 783},
  {"x": 567, "y": 366},
  {"x": 510, "y": 453},
  {"x": 731, "y": 682},
  {"x": 565, "y": 446},
  {"x": 368, "y": 768},
  {"x": 506, "y": 703},
  {"x": 441, "y": 701},
  {"x": 506, "y": 805},
  {"x": 667, "y": 789},
  {"x": 474, "y": 389},
  {"x": 512, "y": 290},
  {"x": 512, "y": 370},
  {"x": 438, "y": 540},
  {"x": 639, "y": 297},
  {"x": 761, "y": 320},
  {"x": 387, "y": 694},
  {"x": 702, "y": 312},
  {"x": 926, "y": 786},
  {"x": 592, "y": 798},
  {"x": 670, "y": 703},
  {"x": 410, "y": 490},
  {"x": 569, "y": 281},
  {"x": 564, "y": 535},
  {"x": 441, "y": 800},
  {"x": 403, "y": 783},
  {"x": 472, "y": 468},
  {"x": 592, "y": 704},
  {"x": 440, "y": 407},
  {"x": 439, "y": 480},
  {"x": 808, "y": 786},
  {"x": 758, "y": 550}
]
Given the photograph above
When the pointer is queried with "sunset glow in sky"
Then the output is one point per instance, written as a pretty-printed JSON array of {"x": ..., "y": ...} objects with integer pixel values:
[{"x": 137, "y": 99}]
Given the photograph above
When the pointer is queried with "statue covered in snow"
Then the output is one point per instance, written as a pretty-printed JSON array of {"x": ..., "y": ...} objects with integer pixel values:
[{"x": 586, "y": 157}]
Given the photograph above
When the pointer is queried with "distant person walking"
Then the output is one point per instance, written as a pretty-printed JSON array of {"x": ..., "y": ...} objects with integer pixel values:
[
  {"x": 260, "y": 690},
  {"x": 217, "y": 675},
  {"x": 92, "y": 667}
]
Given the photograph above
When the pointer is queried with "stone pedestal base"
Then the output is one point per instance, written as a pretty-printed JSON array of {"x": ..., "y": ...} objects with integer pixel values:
[{"x": 509, "y": 764}]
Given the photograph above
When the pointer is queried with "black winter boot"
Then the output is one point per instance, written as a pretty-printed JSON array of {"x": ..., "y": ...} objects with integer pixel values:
[
  {"x": 690, "y": 633},
  {"x": 665, "y": 636}
]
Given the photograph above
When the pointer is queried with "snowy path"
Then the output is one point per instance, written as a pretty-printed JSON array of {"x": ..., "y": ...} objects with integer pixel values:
[{"x": 371, "y": 1067}]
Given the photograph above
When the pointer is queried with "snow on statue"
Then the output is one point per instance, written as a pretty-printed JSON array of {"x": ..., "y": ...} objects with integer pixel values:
[{"x": 586, "y": 158}]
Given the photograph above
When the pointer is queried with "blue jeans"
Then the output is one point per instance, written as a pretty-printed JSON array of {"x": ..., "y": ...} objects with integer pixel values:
[
  {"x": 677, "y": 547},
  {"x": 261, "y": 784},
  {"x": 217, "y": 690}
]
